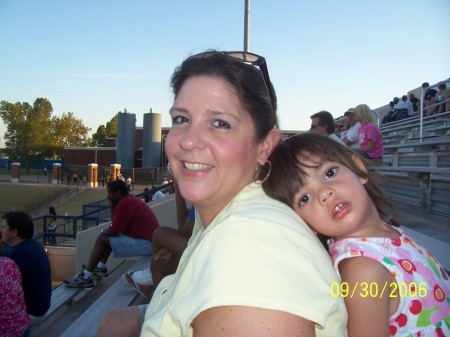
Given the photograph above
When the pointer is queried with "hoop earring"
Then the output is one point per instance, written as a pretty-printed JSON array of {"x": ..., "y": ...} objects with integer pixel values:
[
  {"x": 267, "y": 175},
  {"x": 168, "y": 168}
]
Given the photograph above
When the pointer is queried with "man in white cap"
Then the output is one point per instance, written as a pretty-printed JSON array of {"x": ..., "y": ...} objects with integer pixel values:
[{"x": 351, "y": 138}]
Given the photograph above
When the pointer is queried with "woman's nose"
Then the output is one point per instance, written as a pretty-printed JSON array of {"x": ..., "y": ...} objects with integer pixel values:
[{"x": 192, "y": 138}]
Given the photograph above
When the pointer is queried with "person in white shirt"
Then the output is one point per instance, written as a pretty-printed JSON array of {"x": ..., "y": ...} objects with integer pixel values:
[
  {"x": 351, "y": 138},
  {"x": 405, "y": 103}
]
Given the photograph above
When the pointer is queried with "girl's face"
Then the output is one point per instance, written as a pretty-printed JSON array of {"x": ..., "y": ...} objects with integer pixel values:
[
  {"x": 211, "y": 145},
  {"x": 334, "y": 201}
]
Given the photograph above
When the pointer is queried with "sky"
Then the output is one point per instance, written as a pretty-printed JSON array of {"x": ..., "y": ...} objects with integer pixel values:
[{"x": 96, "y": 58}]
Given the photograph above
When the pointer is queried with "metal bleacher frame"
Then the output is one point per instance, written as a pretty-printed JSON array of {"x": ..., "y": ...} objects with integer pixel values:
[{"x": 415, "y": 170}]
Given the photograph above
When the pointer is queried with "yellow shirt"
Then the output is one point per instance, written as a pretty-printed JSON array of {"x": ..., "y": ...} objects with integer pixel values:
[{"x": 257, "y": 253}]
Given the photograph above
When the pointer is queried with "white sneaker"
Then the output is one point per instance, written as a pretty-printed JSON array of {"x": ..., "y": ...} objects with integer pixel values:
[{"x": 143, "y": 277}]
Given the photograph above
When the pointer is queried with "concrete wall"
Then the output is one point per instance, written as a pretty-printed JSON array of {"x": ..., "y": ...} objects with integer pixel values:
[{"x": 62, "y": 262}]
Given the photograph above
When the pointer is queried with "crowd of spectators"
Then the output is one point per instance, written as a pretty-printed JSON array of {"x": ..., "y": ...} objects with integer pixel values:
[
  {"x": 355, "y": 129},
  {"x": 435, "y": 100}
]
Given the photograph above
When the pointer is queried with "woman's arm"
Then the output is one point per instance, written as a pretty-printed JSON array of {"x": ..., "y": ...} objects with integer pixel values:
[
  {"x": 370, "y": 146},
  {"x": 368, "y": 306},
  {"x": 238, "y": 321}
]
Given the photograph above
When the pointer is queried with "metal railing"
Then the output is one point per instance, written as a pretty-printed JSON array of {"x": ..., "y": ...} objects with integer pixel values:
[{"x": 61, "y": 230}]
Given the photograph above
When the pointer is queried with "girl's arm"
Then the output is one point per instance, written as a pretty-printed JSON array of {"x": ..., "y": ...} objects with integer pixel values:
[
  {"x": 368, "y": 306},
  {"x": 240, "y": 321}
]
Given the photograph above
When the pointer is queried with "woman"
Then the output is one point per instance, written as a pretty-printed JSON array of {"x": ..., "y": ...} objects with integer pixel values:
[
  {"x": 14, "y": 320},
  {"x": 250, "y": 266},
  {"x": 370, "y": 139}
]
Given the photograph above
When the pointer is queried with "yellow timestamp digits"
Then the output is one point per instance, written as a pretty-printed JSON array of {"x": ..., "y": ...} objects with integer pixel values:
[{"x": 373, "y": 290}]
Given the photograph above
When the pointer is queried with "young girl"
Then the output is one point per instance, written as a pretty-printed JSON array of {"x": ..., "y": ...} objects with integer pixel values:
[{"x": 392, "y": 285}]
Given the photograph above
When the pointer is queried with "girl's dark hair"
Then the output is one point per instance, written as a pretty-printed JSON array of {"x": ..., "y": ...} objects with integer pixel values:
[
  {"x": 52, "y": 210},
  {"x": 22, "y": 222},
  {"x": 288, "y": 175},
  {"x": 246, "y": 80}
]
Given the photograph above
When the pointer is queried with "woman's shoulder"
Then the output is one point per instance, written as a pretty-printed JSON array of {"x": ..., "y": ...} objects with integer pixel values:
[{"x": 253, "y": 205}]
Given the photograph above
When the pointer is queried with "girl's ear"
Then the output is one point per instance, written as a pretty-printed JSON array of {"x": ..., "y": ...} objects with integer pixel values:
[
  {"x": 267, "y": 145},
  {"x": 360, "y": 163}
]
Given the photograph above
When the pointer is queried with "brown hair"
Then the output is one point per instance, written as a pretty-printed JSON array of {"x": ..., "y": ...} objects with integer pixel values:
[
  {"x": 288, "y": 175},
  {"x": 246, "y": 81}
]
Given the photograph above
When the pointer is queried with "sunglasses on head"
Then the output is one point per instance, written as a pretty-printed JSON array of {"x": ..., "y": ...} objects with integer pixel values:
[{"x": 255, "y": 60}]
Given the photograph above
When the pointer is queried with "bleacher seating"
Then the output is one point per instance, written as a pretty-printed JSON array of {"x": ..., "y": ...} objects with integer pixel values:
[
  {"x": 416, "y": 162},
  {"x": 118, "y": 294}
]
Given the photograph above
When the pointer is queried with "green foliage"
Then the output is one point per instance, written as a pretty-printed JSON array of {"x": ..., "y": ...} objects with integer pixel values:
[
  {"x": 110, "y": 130},
  {"x": 70, "y": 131},
  {"x": 32, "y": 134}
]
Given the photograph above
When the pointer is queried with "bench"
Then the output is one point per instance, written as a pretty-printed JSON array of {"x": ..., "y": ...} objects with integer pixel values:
[
  {"x": 417, "y": 146},
  {"x": 422, "y": 174},
  {"x": 413, "y": 123},
  {"x": 119, "y": 295},
  {"x": 61, "y": 296},
  {"x": 412, "y": 169}
]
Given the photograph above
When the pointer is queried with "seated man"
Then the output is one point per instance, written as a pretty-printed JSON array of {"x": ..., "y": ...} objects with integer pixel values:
[
  {"x": 351, "y": 138},
  {"x": 30, "y": 257},
  {"x": 429, "y": 99},
  {"x": 168, "y": 245},
  {"x": 405, "y": 108},
  {"x": 322, "y": 123},
  {"x": 129, "y": 234}
]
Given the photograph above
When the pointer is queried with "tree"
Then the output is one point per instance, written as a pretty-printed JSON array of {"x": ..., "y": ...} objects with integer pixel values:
[
  {"x": 28, "y": 130},
  {"x": 70, "y": 131},
  {"x": 33, "y": 134},
  {"x": 110, "y": 130}
]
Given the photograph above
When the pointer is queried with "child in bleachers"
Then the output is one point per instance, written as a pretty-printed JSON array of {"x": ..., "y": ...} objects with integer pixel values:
[{"x": 392, "y": 285}]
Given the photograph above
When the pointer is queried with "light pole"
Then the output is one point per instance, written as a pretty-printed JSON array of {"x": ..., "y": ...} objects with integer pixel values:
[{"x": 247, "y": 26}]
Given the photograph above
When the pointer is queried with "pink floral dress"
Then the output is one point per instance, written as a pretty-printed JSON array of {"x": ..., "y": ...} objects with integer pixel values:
[
  {"x": 14, "y": 319},
  {"x": 423, "y": 284}
]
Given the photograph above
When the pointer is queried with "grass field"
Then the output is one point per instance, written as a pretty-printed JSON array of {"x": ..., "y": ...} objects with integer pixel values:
[
  {"x": 26, "y": 197},
  {"x": 29, "y": 197}
]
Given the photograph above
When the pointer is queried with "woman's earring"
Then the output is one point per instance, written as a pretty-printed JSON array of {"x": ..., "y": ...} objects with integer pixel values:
[
  {"x": 267, "y": 175},
  {"x": 168, "y": 168}
]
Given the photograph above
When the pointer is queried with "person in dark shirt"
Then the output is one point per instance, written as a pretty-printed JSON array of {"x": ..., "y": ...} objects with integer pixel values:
[
  {"x": 30, "y": 257},
  {"x": 415, "y": 102},
  {"x": 429, "y": 98}
]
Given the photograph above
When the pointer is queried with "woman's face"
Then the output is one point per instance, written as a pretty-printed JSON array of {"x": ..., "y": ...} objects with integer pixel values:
[{"x": 211, "y": 145}]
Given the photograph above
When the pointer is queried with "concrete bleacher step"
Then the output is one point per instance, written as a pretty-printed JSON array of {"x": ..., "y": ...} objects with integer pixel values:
[
  {"x": 54, "y": 325},
  {"x": 119, "y": 295}
]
